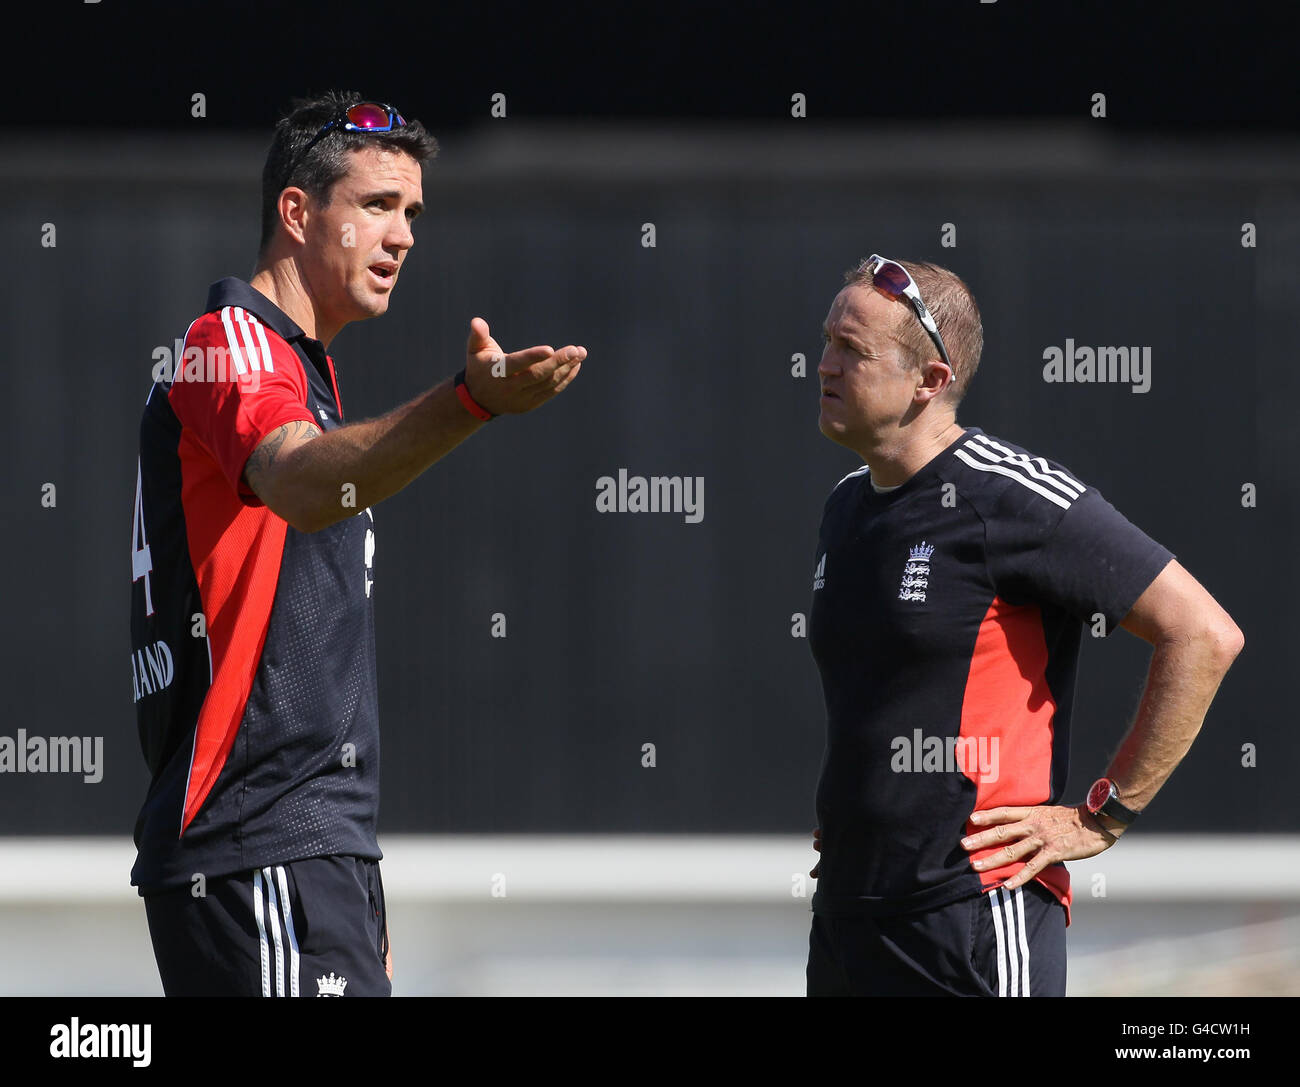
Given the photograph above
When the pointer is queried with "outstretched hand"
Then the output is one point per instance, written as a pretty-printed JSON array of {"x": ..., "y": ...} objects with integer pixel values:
[{"x": 510, "y": 384}]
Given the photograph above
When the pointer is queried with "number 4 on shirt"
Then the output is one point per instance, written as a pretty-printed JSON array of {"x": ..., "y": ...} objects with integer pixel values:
[{"x": 141, "y": 560}]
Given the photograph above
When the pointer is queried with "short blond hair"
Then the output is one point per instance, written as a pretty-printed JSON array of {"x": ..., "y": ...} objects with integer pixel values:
[{"x": 954, "y": 311}]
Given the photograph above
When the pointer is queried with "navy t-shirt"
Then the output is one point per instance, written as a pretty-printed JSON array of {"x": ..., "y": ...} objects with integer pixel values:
[{"x": 946, "y": 623}]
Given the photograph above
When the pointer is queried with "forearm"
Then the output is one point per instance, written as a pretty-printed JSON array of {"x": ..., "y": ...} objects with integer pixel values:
[
  {"x": 1183, "y": 678},
  {"x": 377, "y": 458}
]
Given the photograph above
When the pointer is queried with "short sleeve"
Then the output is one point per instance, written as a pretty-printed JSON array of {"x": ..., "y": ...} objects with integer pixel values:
[
  {"x": 238, "y": 381},
  {"x": 1085, "y": 560}
]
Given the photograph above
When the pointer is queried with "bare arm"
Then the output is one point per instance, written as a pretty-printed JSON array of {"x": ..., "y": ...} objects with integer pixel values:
[
  {"x": 1195, "y": 643},
  {"x": 302, "y": 473}
]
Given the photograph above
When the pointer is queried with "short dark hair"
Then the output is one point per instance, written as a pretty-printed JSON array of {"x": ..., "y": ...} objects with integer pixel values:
[
  {"x": 955, "y": 312},
  {"x": 327, "y": 161}
]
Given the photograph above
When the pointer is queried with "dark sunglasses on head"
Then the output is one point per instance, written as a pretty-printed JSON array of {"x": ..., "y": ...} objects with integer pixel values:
[
  {"x": 892, "y": 278},
  {"x": 359, "y": 117}
]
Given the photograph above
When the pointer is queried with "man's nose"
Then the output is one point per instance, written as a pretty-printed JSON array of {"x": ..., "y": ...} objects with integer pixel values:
[{"x": 401, "y": 235}]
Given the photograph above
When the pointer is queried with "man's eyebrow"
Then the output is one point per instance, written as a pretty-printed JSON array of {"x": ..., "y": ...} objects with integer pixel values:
[
  {"x": 853, "y": 334},
  {"x": 391, "y": 194}
]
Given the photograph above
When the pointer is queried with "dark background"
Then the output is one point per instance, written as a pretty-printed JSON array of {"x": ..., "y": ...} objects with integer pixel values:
[
  {"x": 628, "y": 629},
  {"x": 1170, "y": 66}
]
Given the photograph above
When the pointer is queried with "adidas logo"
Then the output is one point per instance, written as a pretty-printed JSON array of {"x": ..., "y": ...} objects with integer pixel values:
[{"x": 819, "y": 575}]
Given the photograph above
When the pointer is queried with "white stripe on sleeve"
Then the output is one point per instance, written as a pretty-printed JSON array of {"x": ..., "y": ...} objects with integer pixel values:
[
  {"x": 250, "y": 348},
  {"x": 1033, "y": 466},
  {"x": 232, "y": 341},
  {"x": 1011, "y": 473},
  {"x": 267, "y": 364}
]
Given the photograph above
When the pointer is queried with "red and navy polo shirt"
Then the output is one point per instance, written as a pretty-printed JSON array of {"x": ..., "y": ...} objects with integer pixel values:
[
  {"x": 946, "y": 624},
  {"x": 253, "y": 659}
]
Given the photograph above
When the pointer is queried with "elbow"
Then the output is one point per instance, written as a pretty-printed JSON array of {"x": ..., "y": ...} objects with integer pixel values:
[
  {"x": 1237, "y": 641},
  {"x": 308, "y": 521},
  {"x": 1225, "y": 640},
  {"x": 295, "y": 514},
  {"x": 301, "y": 525},
  {"x": 1214, "y": 640}
]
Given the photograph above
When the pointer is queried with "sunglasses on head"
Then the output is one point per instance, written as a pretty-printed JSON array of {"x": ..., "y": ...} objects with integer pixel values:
[
  {"x": 358, "y": 117},
  {"x": 892, "y": 278}
]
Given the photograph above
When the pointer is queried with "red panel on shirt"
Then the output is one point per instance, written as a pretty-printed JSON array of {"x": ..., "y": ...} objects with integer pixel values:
[
  {"x": 1008, "y": 703},
  {"x": 236, "y": 552},
  {"x": 238, "y": 382}
]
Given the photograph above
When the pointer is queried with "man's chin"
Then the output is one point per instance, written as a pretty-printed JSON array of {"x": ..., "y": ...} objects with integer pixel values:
[
  {"x": 837, "y": 432},
  {"x": 831, "y": 428},
  {"x": 371, "y": 304}
]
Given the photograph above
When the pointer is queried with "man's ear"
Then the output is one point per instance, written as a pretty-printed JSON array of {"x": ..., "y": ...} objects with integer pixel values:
[
  {"x": 934, "y": 379},
  {"x": 294, "y": 208}
]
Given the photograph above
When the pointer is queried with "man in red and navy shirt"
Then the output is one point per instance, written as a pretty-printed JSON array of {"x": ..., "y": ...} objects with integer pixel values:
[
  {"x": 253, "y": 551},
  {"x": 954, "y": 576}
]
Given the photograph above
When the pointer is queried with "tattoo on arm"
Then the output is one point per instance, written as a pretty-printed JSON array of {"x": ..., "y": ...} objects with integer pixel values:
[{"x": 263, "y": 457}]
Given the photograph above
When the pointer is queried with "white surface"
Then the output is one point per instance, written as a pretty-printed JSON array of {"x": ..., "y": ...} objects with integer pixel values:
[
  {"x": 669, "y": 916},
  {"x": 667, "y": 868}
]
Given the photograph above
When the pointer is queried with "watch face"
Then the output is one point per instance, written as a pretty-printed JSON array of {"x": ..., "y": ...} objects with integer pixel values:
[{"x": 1098, "y": 795}]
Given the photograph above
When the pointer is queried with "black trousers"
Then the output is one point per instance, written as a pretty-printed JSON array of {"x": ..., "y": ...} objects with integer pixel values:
[
  {"x": 1001, "y": 943},
  {"x": 315, "y": 927}
]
